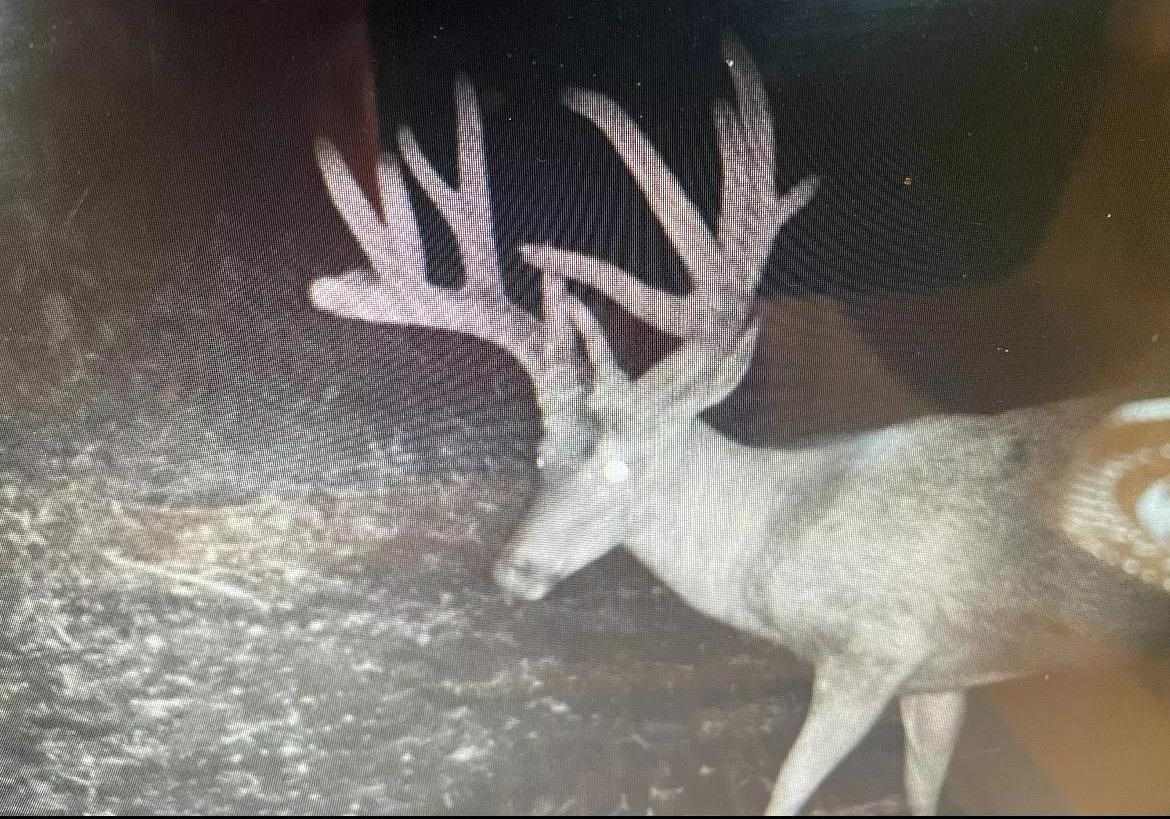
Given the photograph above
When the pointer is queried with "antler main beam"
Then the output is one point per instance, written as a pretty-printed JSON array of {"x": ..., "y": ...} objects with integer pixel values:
[
  {"x": 399, "y": 292},
  {"x": 725, "y": 266}
]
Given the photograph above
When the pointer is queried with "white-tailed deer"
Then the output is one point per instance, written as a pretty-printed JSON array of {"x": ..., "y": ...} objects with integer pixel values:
[{"x": 911, "y": 562}]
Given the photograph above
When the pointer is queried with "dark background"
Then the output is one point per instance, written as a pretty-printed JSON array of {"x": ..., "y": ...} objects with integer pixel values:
[{"x": 983, "y": 105}]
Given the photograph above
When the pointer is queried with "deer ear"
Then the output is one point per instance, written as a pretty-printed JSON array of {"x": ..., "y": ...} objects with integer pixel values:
[{"x": 692, "y": 379}]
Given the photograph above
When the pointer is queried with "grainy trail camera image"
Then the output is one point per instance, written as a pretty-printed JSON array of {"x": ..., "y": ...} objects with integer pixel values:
[{"x": 543, "y": 408}]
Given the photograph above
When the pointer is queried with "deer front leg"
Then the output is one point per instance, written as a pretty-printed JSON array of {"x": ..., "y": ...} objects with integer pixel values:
[
  {"x": 932, "y": 723},
  {"x": 848, "y": 697}
]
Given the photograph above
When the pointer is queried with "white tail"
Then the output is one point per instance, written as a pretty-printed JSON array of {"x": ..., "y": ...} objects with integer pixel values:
[{"x": 911, "y": 562}]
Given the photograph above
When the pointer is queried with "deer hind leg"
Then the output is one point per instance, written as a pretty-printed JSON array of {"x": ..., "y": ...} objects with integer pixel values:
[
  {"x": 848, "y": 697},
  {"x": 932, "y": 723}
]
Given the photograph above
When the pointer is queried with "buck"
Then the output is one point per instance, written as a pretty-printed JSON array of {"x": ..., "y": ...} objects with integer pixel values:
[{"x": 908, "y": 563}]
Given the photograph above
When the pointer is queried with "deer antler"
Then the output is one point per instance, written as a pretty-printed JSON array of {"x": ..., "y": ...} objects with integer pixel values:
[
  {"x": 726, "y": 266},
  {"x": 399, "y": 293}
]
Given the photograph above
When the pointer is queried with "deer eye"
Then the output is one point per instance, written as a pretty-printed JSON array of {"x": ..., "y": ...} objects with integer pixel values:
[{"x": 615, "y": 470}]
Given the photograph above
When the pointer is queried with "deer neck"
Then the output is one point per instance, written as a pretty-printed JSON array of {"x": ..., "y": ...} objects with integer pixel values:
[{"x": 705, "y": 508}]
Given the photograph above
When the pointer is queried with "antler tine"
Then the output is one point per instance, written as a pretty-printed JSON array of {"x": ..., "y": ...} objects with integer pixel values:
[
  {"x": 726, "y": 266},
  {"x": 466, "y": 207},
  {"x": 544, "y": 348},
  {"x": 378, "y": 244},
  {"x": 400, "y": 292},
  {"x": 662, "y": 310},
  {"x": 752, "y": 211},
  {"x": 680, "y": 219},
  {"x": 394, "y": 247},
  {"x": 482, "y": 302}
]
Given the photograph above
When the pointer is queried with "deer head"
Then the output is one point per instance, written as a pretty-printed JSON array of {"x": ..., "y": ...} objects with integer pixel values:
[
  {"x": 641, "y": 422},
  {"x": 643, "y": 425}
]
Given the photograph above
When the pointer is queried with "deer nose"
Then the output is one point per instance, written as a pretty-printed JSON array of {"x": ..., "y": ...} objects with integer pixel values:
[{"x": 520, "y": 580}]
